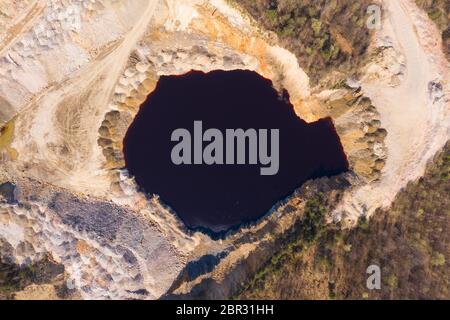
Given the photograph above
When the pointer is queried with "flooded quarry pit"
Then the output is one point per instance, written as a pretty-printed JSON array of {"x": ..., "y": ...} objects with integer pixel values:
[{"x": 222, "y": 148}]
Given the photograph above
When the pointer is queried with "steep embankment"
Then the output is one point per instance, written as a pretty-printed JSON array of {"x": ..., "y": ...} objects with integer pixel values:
[{"x": 415, "y": 113}]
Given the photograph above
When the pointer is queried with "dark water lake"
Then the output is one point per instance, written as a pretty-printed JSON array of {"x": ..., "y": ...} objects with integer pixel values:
[{"x": 218, "y": 197}]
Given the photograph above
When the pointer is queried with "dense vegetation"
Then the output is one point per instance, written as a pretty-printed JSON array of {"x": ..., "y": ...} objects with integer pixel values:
[
  {"x": 410, "y": 242},
  {"x": 14, "y": 278},
  {"x": 324, "y": 34}
]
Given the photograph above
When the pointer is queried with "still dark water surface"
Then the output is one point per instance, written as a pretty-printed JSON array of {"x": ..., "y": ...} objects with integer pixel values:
[{"x": 220, "y": 197}]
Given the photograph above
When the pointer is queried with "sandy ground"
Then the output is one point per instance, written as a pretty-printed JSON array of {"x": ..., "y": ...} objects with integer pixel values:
[
  {"x": 417, "y": 126},
  {"x": 18, "y": 26}
]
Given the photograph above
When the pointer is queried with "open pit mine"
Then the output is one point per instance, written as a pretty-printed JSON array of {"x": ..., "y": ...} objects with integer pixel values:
[{"x": 91, "y": 91}]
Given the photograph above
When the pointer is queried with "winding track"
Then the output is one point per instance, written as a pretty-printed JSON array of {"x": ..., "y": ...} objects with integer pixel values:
[{"x": 417, "y": 127}]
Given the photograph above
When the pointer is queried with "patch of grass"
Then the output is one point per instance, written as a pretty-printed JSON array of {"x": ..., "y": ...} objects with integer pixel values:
[
  {"x": 6, "y": 138},
  {"x": 313, "y": 223},
  {"x": 392, "y": 282},
  {"x": 363, "y": 223},
  {"x": 435, "y": 14},
  {"x": 6, "y": 134},
  {"x": 438, "y": 259},
  {"x": 272, "y": 15}
]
